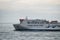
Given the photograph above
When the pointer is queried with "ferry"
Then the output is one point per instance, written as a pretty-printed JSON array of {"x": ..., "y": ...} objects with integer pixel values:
[{"x": 37, "y": 25}]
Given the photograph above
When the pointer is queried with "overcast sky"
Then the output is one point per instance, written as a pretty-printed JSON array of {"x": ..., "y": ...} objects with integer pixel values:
[{"x": 12, "y": 10}]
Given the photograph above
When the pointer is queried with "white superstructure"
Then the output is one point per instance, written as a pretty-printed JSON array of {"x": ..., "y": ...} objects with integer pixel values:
[{"x": 37, "y": 24}]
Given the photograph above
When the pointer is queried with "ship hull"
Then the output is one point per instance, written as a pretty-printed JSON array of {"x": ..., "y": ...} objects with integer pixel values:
[{"x": 18, "y": 27}]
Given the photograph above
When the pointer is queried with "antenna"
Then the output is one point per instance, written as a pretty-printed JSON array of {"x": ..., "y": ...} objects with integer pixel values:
[{"x": 26, "y": 18}]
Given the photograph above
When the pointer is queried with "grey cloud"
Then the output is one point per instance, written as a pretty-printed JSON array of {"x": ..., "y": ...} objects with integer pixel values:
[{"x": 11, "y": 11}]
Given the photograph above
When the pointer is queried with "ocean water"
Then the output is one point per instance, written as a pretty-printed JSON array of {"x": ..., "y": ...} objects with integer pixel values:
[{"x": 7, "y": 33}]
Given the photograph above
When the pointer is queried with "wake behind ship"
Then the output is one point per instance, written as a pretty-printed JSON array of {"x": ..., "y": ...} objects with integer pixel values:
[{"x": 37, "y": 25}]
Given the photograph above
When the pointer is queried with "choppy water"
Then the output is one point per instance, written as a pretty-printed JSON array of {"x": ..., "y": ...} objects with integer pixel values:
[{"x": 7, "y": 33}]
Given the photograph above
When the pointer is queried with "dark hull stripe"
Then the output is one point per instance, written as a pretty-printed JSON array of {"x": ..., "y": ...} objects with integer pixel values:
[{"x": 37, "y": 30}]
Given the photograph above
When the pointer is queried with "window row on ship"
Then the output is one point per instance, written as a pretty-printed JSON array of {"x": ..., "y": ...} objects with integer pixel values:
[
  {"x": 34, "y": 25},
  {"x": 37, "y": 22}
]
